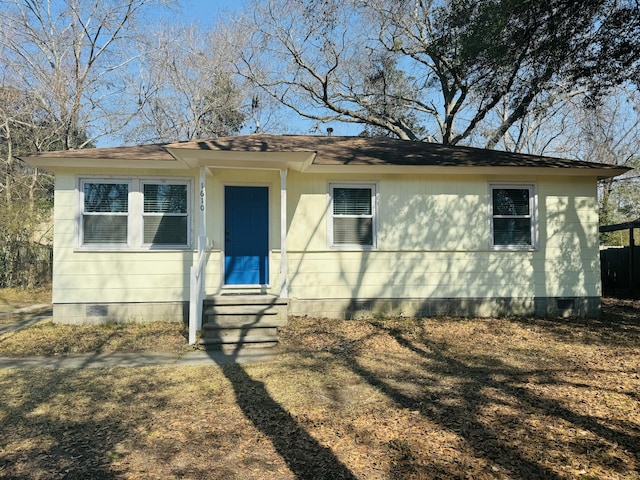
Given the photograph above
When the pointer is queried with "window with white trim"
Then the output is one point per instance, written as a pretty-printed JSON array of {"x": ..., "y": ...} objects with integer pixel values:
[
  {"x": 134, "y": 213},
  {"x": 165, "y": 216},
  {"x": 352, "y": 215},
  {"x": 513, "y": 216},
  {"x": 105, "y": 212}
]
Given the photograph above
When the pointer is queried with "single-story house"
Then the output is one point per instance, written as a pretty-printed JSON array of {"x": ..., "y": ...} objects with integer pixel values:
[{"x": 329, "y": 226}]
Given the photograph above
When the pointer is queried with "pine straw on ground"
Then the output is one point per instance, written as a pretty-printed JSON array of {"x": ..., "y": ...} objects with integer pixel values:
[
  {"x": 394, "y": 399},
  {"x": 46, "y": 338}
]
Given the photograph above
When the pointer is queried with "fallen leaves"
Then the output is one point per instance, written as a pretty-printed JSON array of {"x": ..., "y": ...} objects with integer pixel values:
[{"x": 395, "y": 399}]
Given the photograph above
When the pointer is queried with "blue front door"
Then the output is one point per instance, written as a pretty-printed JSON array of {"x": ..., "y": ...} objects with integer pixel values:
[{"x": 246, "y": 242}]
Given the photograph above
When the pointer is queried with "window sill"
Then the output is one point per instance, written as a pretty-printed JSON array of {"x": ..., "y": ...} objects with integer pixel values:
[
  {"x": 124, "y": 249},
  {"x": 508, "y": 248},
  {"x": 355, "y": 248}
]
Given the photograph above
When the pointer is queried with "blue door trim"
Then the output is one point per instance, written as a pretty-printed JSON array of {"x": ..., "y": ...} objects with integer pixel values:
[{"x": 246, "y": 245}]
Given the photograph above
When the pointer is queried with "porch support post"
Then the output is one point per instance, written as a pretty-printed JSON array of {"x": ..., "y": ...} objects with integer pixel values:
[
  {"x": 202, "y": 239},
  {"x": 284, "y": 289},
  {"x": 196, "y": 286}
]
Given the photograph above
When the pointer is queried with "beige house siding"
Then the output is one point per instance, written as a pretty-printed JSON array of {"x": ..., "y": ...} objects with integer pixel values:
[
  {"x": 433, "y": 242},
  {"x": 94, "y": 275}
]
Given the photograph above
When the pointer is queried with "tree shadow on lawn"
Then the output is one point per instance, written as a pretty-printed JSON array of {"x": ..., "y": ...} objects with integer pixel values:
[
  {"x": 17, "y": 321},
  {"x": 304, "y": 456},
  {"x": 57, "y": 423},
  {"x": 618, "y": 325},
  {"x": 481, "y": 382}
]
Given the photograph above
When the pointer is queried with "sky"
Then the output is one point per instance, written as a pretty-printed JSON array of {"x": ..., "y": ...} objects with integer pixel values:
[
  {"x": 205, "y": 11},
  {"x": 208, "y": 11}
]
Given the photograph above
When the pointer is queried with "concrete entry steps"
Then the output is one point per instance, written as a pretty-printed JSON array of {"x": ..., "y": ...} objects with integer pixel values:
[{"x": 242, "y": 321}]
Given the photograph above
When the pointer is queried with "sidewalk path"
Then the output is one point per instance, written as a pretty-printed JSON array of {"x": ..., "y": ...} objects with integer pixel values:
[
  {"x": 111, "y": 360},
  {"x": 143, "y": 359},
  {"x": 36, "y": 318}
]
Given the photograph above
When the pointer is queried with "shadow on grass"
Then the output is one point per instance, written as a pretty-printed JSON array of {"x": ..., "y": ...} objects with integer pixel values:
[
  {"x": 618, "y": 325},
  {"x": 481, "y": 382},
  {"x": 57, "y": 425},
  {"x": 304, "y": 456},
  {"x": 18, "y": 321}
]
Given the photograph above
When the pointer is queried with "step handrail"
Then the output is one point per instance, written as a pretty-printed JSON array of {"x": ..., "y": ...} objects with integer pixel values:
[{"x": 196, "y": 292}]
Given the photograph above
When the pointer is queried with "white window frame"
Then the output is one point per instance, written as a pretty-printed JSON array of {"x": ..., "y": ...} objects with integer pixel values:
[
  {"x": 373, "y": 187},
  {"x": 533, "y": 216},
  {"x": 135, "y": 214},
  {"x": 144, "y": 182},
  {"x": 82, "y": 214}
]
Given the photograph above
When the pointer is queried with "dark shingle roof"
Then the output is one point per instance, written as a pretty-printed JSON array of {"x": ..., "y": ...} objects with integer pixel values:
[
  {"x": 381, "y": 151},
  {"x": 134, "y": 153},
  {"x": 357, "y": 151}
]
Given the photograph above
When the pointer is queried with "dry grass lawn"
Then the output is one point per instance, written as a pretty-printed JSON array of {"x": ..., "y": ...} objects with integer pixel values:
[
  {"x": 47, "y": 338},
  {"x": 12, "y": 298},
  {"x": 396, "y": 399}
]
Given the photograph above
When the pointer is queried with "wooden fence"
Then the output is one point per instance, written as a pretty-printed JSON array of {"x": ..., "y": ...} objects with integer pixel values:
[
  {"x": 620, "y": 270},
  {"x": 620, "y": 267}
]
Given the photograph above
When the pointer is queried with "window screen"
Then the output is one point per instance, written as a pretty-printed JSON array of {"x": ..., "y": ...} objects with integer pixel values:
[
  {"x": 512, "y": 216},
  {"x": 134, "y": 213},
  {"x": 105, "y": 213},
  {"x": 165, "y": 214},
  {"x": 353, "y": 215}
]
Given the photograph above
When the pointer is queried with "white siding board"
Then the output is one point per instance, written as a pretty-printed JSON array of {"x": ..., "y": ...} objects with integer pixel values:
[
  {"x": 411, "y": 275},
  {"x": 433, "y": 241},
  {"x": 432, "y": 214},
  {"x": 137, "y": 268},
  {"x": 124, "y": 281},
  {"x": 110, "y": 276},
  {"x": 446, "y": 252}
]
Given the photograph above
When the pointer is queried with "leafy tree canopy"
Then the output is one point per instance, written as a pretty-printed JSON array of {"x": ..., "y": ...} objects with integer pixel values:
[{"x": 449, "y": 70}]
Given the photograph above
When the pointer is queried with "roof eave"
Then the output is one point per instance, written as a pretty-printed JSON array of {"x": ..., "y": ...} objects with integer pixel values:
[
  {"x": 51, "y": 164},
  {"x": 302, "y": 162},
  {"x": 600, "y": 173},
  {"x": 298, "y": 161}
]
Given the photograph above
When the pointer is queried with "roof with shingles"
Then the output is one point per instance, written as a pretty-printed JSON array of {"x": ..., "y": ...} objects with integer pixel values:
[
  {"x": 337, "y": 150},
  {"x": 381, "y": 151},
  {"x": 134, "y": 153}
]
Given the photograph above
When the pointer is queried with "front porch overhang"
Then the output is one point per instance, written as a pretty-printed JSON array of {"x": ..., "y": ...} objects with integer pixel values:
[{"x": 297, "y": 161}]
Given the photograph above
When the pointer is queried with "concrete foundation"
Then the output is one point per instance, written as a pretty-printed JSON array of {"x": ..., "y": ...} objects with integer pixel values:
[
  {"x": 100, "y": 313},
  {"x": 458, "y": 307}
]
